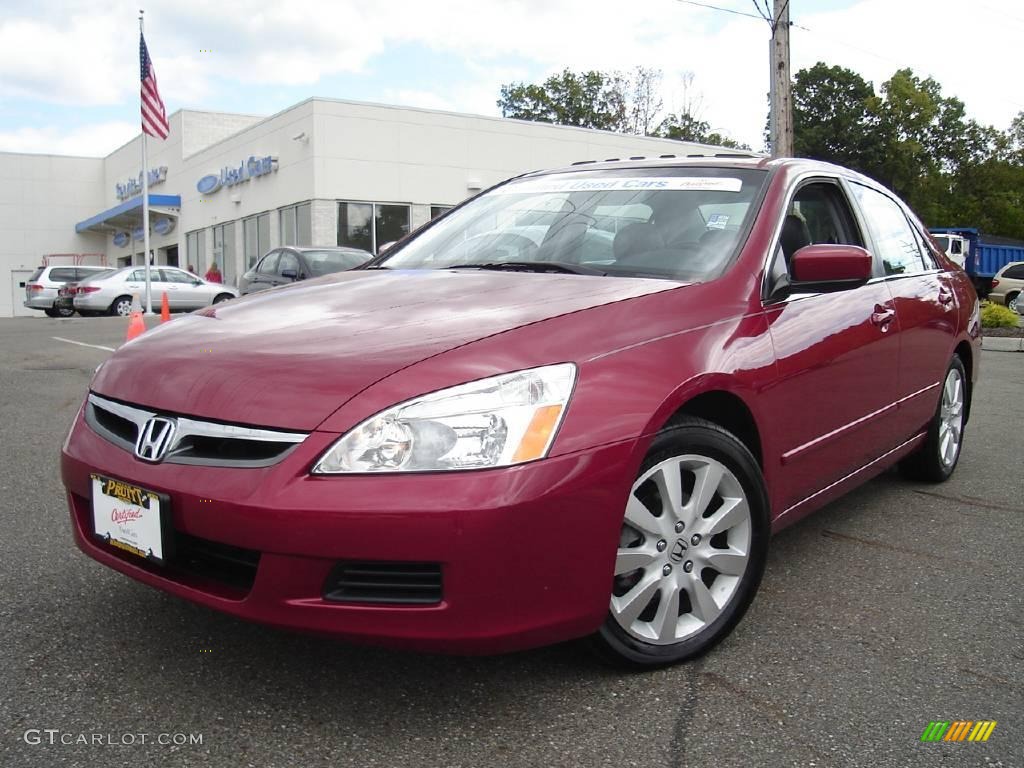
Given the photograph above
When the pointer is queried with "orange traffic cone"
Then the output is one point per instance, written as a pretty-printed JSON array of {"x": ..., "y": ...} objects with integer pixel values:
[
  {"x": 165, "y": 309},
  {"x": 136, "y": 326}
]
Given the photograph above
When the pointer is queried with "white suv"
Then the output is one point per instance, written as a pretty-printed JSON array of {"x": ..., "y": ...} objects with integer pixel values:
[
  {"x": 41, "y": 289},
  {"x": 1008, "y": 284}
]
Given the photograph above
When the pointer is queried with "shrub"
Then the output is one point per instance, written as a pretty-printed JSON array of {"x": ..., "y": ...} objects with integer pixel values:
[{"x": 998, "y": 316}]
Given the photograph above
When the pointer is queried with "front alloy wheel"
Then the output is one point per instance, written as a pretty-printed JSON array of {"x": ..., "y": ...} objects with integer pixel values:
[{"x": 691, "y": 549}]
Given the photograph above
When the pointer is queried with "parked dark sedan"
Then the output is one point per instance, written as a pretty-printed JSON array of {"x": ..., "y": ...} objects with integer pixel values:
[
  {"x": 283, "y": 266},
  {"x": 535, "y": 438}
]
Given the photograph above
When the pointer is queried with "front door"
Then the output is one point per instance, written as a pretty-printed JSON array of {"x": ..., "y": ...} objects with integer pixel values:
[{"x": 837, "y": 356}]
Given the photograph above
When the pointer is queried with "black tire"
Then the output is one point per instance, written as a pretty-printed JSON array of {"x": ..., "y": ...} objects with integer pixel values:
[
  {"x": 1010, "y": 298},
  {"x": 51, "y": 312},
  {"x": 222, "y": 297},
  {"x": 696, "y": 436},
  {"x": 116, "y": 303},
  {"x": 926, "y": 462}
]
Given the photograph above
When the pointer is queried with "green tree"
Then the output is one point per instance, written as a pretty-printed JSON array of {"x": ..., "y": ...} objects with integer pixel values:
[
  {"x": 611, "y": 101},
  {"x": 836, "y": 118},
  {"x": 685, "y": 127},
  {"x": 587, "y": 99}
]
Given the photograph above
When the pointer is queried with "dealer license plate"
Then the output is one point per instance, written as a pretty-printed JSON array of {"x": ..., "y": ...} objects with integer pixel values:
[{"x": 129, "y": 517}]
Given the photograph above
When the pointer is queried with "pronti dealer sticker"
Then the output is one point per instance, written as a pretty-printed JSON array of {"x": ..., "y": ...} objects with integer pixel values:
[{"x": 622, "y": 184}]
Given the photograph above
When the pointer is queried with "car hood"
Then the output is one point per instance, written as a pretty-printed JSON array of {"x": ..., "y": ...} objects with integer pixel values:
[{"x": 290, "y": 357}]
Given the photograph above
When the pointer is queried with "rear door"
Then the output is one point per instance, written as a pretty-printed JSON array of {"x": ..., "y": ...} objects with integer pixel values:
[
  {"x": 925, "y": 305},
  {"x": 837, "y": 355}
]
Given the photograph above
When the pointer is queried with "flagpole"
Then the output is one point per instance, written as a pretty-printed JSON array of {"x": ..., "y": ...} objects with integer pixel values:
[{"x": 145, "y": 208}]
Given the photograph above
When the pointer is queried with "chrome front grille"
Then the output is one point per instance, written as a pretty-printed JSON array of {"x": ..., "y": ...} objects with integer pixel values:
[{"x": 206, "y": 443}]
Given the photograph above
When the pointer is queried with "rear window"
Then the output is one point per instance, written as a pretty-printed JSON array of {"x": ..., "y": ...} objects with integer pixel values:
[
  {"x": 36, "y": 274},
  {"x": 83, "y": 272},
  {"x": 62, "y": 275}
]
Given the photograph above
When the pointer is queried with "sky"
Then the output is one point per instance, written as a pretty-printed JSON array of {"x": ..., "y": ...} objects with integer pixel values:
[{"x": 69, "y": 80}]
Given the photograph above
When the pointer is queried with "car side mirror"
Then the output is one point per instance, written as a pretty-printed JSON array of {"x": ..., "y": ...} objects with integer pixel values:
[
  {"x": 291, "y": 274},
  {"x": 826, "y": 268},
  {"x": 197, "y": 281}
]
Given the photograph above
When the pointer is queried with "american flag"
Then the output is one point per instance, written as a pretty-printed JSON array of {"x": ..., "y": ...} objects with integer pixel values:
[{"x": 154, "y": 116}]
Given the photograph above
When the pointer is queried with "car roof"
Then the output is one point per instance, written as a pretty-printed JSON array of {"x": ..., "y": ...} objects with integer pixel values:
[
  {"x": 737, "y": 160},
  {"x": 308, "y": 248}
]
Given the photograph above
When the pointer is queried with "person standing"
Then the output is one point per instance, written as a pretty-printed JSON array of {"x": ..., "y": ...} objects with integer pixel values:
[
  {"x": 213, "y": 274},
  {"x": 191, "y": 269}
]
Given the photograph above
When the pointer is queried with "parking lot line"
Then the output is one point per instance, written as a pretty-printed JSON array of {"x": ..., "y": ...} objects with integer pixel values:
[{"x": 82, "y": 343}]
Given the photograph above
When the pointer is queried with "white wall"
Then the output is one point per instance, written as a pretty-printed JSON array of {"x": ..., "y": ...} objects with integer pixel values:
[
  {"x": 41, "y": 198},
  {"x": 405, "y": 155}
]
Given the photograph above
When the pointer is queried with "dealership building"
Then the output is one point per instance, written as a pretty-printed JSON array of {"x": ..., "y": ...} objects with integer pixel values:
[{"x": 227, "y": 188}]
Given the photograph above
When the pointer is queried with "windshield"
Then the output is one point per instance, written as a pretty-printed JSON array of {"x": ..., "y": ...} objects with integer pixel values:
[
  {"x": 675, "y": 223},
  {"x": 325, "y": 262}
]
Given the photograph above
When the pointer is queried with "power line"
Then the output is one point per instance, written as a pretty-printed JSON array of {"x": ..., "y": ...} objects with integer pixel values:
[{"x": 718, "y": 8}]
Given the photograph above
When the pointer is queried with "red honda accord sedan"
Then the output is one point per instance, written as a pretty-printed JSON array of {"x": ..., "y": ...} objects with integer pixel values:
[{"x": 576, "y": 405}]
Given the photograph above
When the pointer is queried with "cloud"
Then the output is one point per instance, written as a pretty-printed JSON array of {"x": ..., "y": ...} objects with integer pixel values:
[
  {"x": 82, "y": 52},
  {"x": 96, "y": 139}
]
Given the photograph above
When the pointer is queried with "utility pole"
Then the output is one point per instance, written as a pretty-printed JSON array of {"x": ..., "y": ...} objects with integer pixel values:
[{"x": 781, "y": 120}]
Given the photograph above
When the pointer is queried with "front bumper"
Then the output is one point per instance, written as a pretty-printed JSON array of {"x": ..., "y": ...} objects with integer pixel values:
[{"x": 526, "y": 553}]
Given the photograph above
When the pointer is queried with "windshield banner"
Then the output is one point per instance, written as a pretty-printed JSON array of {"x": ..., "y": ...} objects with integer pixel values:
[{"x": 621, "y": 183}]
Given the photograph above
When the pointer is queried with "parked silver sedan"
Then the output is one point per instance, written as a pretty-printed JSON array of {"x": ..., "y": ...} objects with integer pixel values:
[{"x": 112, "y": 293}]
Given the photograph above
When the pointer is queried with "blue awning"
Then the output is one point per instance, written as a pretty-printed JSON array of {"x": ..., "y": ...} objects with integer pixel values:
[{"x": 128, "y": 214}]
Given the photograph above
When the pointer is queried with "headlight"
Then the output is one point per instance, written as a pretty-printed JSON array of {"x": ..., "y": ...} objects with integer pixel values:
[{"x": 495, "y": 422}]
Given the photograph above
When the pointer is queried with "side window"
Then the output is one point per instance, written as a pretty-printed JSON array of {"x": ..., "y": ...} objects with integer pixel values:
[
  {"x": 1015, "y": 272},
  {"x": 62, "y": 275},
  {"x": 819, "y": 213},
  {"x": 174, "y": 276},
  {"x": 894, "y": 238},
  {"x": 269, "y": 264},
  {"x": 288, "y": 261},
  {"x": 138, "y": 276}
]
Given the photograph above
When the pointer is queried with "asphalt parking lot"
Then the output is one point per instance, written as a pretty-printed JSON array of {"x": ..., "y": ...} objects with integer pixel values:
[{"x": 895, "y": 606}]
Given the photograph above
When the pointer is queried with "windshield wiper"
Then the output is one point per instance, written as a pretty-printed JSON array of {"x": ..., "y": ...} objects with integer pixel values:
[{"x": 533, "y": 266}]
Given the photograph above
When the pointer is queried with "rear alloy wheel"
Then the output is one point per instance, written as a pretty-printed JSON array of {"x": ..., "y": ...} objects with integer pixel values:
[
  {"x": 1013, "y": 300},
  {"x": 122, "y": 306},
  {"x": 937, "y": 457},
  {"x": 691, "y": 550}
]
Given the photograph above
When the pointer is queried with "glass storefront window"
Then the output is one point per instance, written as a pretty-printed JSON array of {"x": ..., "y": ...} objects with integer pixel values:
[
  {"x": 371, "y": 225},
  {"x": 437, "y": 210},
  {"x": 195, "y": 246},
  {"x": 304, "y": 224},
  {"x": 256, "y": 237},
  {"x": 355, "y": 225},
  {"x": 297, "y": 225},
  {"x": 288, "y": 226},
  {"x": 224, "y": 251}
]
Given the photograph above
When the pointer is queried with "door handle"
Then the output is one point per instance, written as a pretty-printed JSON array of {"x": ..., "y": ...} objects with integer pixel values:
[
  {"x": 945, "y": 296},
  {"x": 882, "y": 316}
]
